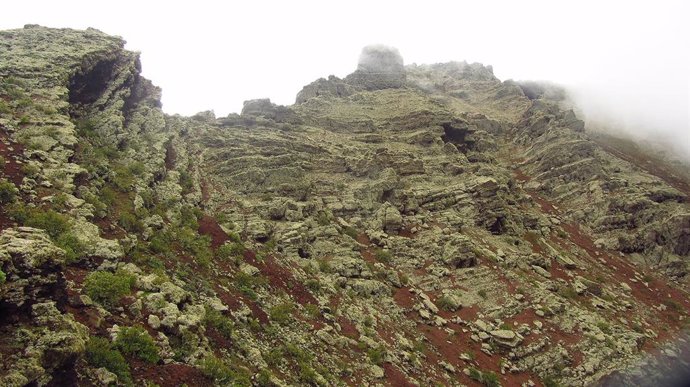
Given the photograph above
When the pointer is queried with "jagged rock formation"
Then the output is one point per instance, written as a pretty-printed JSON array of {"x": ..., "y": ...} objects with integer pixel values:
[{"x": 407, "y": 225}]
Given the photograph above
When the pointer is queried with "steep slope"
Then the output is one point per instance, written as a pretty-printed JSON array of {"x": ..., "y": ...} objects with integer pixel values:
[{"x": 413, "y": 225}]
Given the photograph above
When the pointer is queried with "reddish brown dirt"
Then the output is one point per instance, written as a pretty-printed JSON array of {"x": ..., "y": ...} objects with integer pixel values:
[
  {"x": 520, "y": 176},
  {"x": 12, "y": 169},
  {"x": 281, "y": 278},
  {"x": 168, "y": 375},
  {"x": 219, "y": 341},
  {"x": 394, "y": 377},
  {"x": 234, "y": 301},
  {"x": 404, "y": 298},
  {"x": 205, "y": 192},
  {"x": 209, "y": 226},
  {"x": 450, "y": 348},
  {"x": 347, "y": 328}
]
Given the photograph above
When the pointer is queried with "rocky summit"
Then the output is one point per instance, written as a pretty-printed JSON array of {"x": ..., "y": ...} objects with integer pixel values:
[{"x": 408, "y": 225}]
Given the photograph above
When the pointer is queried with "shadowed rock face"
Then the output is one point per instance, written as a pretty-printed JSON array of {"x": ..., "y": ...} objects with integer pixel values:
[{"x": 379, "y": 67}]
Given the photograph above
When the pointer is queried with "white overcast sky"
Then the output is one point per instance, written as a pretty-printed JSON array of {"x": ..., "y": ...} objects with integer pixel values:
[{"x": 628, "y": 60}]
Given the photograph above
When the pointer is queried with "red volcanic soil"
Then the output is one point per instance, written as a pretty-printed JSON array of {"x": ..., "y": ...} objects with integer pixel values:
[
  {"x": 404, "y": 298},
  {"x": 281, "y": 278},
  {"x": 168, "y": 375},
  {"x": 12, "y": 169},
  {"x": 234, "y": 301},
  {"x": 209, "y": 226},
  {"x": 394, "y": 377}
]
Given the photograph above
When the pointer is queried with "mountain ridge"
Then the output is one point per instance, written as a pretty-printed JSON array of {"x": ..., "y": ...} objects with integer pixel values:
[{"x": 404, "y": 225}]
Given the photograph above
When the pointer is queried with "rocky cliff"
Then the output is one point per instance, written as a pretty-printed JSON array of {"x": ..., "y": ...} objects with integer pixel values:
[{"x": 405, "y": 225}]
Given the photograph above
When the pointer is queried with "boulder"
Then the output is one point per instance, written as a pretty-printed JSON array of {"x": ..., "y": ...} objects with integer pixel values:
[
  {"x": 388, "y": 218},
  {"x": 458, "y": 252},
  {"x": 32, "y": 265},
  {"x": 506, "y": 338}
]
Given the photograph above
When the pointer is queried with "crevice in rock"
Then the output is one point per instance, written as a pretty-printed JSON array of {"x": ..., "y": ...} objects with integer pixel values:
[
  {"x": 86, "y": 86},
  {"x": 457, "y": 136}
]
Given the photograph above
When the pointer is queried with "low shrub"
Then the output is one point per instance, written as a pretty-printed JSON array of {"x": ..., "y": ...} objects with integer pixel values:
[
  {"x": 383, "y": 256},
  {"x": 123, "y": 178},
  {"x": 351, "y": 232},
  {"x": 131, "y": 222},
  {"x": 3, "y": 277},
  {"x": 281, "y": 313},
  {"x": 447, "y": 304},
  {"x": 8, "y": 192},
  {"x": 100, "y": 353},
  {"x": 74, "y": 249},
  {"x": 137, "y": 342},
  {"x": 52, "y": 222},
  {"x": 217, "y": 370},
  {"x": 221, "y": 323},
  {"x": 108, "y": 288},
  {"x": 230, "y": 250},
  {"x": 377, "y": 355}
]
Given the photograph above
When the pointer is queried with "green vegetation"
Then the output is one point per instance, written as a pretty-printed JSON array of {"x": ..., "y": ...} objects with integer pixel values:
[
  {"x": 281, "y": 313},
  {"x": 101, "y": 353},
  {"x": 482, "y": 293},
  {"x": 3, "y": 277},
  {"x": 489, "y": 379},
  {"x": 52, "y": 222},
  {"x": 231, "y": 250},
  {"x": 313, "y": 284},
  {"x": 549, "y": 381},
  {"x": 383, "y": 256},
  {"x": 351, "y": 232},
  {"x": 223, "y": 374},
  {"x": 8, "y": 191},
  {"x": 108, "y": 288},
  {"x": 74, "y": 249},
  {"x": 222, "y": 324},
  {"x": 123, "y": 178},
  {"x": 137, "y": 342},
  {"x": 604, "y": 327},
  {"x": 446, "y": 304},
  {"x": 567, "y": 292},
  {"x": 324, "y": 265},
  {"x": 323, "y": 218},
  {"x": 263, "y": 379},
  {"x": 131, "y": 222},
  {"x": 377, "y": 355},
  {"x": 246, "y": 283},
  {"x": 312, "y": 310}
]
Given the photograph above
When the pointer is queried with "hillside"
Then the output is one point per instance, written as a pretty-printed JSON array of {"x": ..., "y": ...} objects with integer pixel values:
[{"x": 406, "y": 225}]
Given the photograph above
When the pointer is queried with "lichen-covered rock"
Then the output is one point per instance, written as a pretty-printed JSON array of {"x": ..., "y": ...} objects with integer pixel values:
[
  {"x": 94, "y": 246},
  {"x": 331, "y": 87},
  {"x": 458, "y": 252},
  {"x": 53, "y": 341},
  {"x": 388, "y": 218},
  {"x": 32, "y": 265}
]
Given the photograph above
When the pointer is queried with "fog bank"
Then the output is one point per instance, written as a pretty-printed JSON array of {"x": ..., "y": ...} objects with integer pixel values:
[{"x": 625, "y": 62}]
